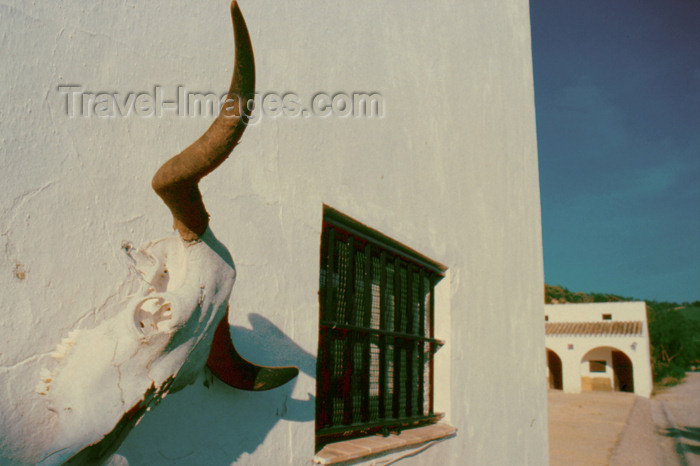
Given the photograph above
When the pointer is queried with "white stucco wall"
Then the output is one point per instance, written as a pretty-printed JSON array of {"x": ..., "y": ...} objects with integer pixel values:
[
  {"x": 593, "y": 312},
  {"x": 598, "y": 347},
  {"x": 450, "y": 170}
]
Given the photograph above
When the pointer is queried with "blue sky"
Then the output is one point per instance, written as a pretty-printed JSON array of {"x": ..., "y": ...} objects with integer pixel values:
[{"x": 617, "y": 91}]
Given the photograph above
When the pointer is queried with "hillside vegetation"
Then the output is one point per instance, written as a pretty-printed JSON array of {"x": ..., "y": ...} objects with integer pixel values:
[{"x": 674, "y": 330}]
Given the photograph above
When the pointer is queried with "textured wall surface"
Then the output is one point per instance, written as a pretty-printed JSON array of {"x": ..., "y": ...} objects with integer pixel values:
[
  {"x": 593, "y": 312},
  {"x": 450, "y": 170}
]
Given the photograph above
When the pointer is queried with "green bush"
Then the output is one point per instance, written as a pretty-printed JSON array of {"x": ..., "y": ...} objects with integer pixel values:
[{"x": 674, "y": 341}]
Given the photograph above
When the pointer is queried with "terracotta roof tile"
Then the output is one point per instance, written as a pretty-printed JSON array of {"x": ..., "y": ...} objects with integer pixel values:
[{"x": 593, "y": 328}]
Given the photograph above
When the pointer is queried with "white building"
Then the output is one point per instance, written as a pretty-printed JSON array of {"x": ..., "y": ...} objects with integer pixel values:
[
  {"x": 598, "y": 346},
  {"x": 443, "y": 173}
]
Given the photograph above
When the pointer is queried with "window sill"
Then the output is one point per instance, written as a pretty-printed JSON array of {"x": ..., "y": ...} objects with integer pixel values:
[{"x": 351, "y": 450}]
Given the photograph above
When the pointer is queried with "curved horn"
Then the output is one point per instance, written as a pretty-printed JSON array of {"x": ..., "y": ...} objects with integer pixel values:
[
  {"x": 234, "y": 370},
  {"x": 176, "y": 180}
]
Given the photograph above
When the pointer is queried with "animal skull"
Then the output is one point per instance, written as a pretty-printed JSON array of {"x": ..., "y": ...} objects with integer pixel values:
[{"x": 176, "y": 322}]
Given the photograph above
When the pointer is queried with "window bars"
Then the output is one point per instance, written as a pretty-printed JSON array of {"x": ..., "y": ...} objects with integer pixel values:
[{"x": 376, "y": 345}]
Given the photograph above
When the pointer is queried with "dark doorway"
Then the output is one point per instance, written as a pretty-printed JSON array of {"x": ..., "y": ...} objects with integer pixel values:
[
  {"x": 554, "y": 366},
  {"x": 622, "y": 367}
]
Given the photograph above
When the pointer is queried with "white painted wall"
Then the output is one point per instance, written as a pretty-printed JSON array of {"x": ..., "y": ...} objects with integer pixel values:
[
  {"x": 593, "y": 312},
  {"x": 575, "y": 360},
  {"x": 451, "y": 171}
]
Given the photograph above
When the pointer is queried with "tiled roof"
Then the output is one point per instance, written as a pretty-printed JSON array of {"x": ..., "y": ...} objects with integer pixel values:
[{"x": 554, "y": 329}]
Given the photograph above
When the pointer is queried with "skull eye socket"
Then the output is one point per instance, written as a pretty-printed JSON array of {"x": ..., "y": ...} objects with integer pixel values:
[{"x": 152, "y": 315}]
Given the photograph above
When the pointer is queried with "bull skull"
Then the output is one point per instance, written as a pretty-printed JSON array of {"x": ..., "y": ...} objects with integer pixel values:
[{"x": 177, "y": 321}]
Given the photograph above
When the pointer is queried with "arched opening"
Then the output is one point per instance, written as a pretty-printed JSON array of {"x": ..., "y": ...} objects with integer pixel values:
[
  {"x": 554, "y": 370},
  {"x": 606, "y": 369},
  {"x": 622, "y": 368}
]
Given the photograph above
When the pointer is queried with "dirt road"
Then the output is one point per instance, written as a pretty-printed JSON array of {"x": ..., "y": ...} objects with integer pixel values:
[
  {"x": 584, "y": 428},
  {"x": 679, "y": 407},
  {"x": 621, "y": 429}
]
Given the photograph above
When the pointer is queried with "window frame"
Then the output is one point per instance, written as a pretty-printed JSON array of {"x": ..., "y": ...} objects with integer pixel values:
[{"x": 371, "y": 245}]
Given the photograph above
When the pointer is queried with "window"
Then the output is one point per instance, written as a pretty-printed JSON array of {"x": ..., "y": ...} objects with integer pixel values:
[
  {"x": 596, "y": 366},
  {"x": 607, "y": 316},
  {"x": 546, "y": 318},
  {"x": 376, "y": 342}
]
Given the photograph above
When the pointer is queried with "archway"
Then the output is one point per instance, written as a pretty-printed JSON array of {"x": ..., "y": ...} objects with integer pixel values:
[
  {"x": 606, "y": 369},
  {"x": 554, "y": 370},
  {"x": 624, "y": 374}
]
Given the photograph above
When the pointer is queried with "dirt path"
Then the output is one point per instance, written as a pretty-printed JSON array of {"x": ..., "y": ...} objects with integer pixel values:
[
  {"x": 680, "y": 406},
  {"x": 584, "y": 428},
  {"x": 621, "y": 429},
  {"x": 639, "y": 443}
]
